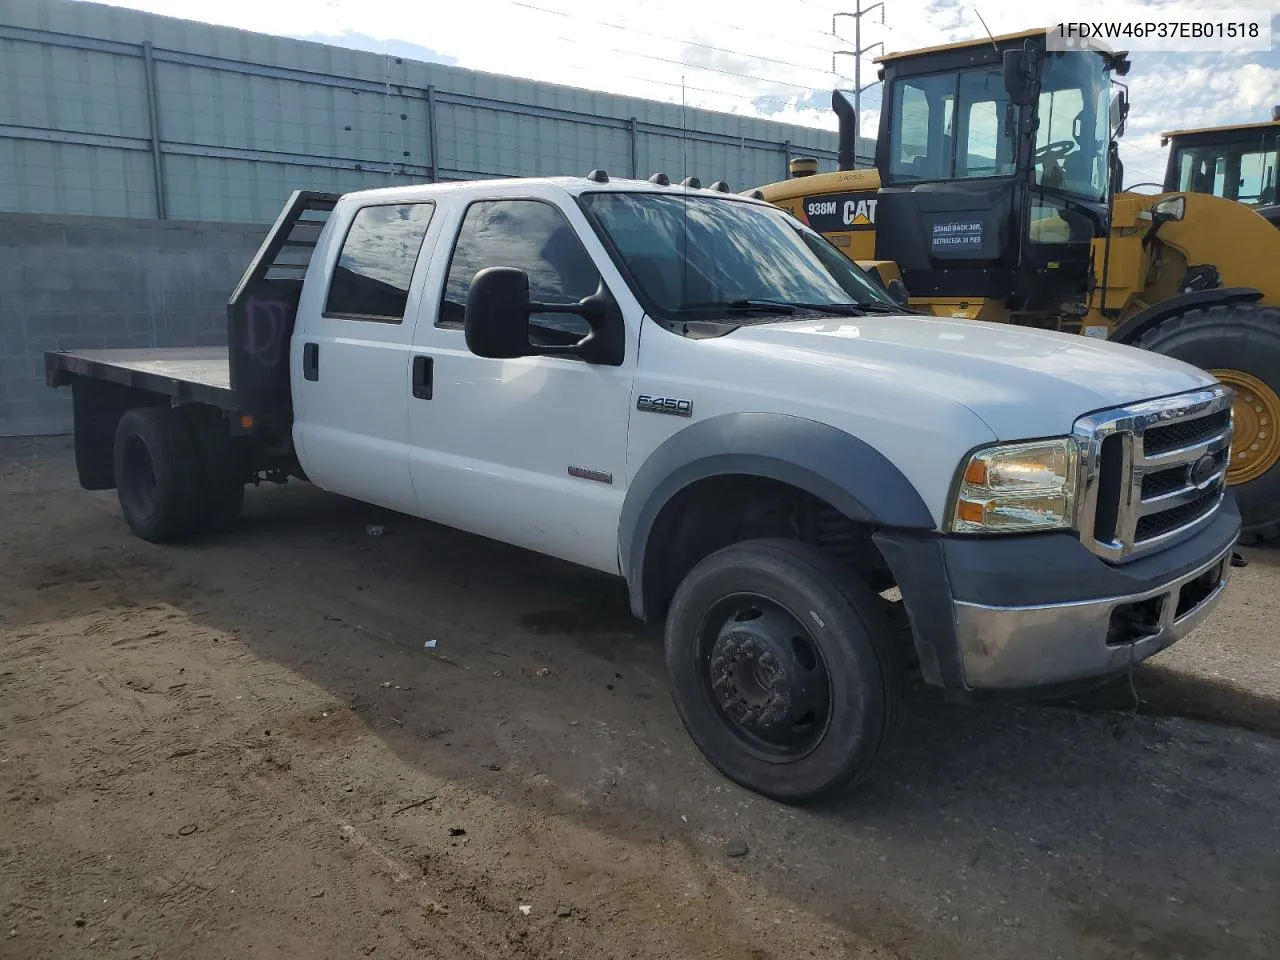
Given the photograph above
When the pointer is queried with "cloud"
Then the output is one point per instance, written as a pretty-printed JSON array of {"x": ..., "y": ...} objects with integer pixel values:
[{"x": 395, "y": 48}]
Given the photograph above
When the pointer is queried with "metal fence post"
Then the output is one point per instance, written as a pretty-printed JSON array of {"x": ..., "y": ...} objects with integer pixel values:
[
  {"x": 153, "y": 111},
  {"x": 433, "y": 143},
  {"x": 786, "y": 159},
  {"x": 635, "y": 150}
]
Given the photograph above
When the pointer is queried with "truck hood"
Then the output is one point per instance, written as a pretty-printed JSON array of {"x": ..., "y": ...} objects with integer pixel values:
[{"x": 1021, "y": 382}]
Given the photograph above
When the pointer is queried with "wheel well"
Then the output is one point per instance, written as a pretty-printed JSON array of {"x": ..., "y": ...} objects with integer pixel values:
[{"x": 718, "y": 511}]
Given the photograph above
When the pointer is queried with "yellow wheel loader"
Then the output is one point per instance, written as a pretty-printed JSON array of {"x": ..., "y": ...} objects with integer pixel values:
[
  {"x": 1237, "y": 162},
  {"x": 992, "y": 198}
]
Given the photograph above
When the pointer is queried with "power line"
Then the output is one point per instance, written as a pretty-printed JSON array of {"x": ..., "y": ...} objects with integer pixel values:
[
  {"x": 661, "y": 36},
  {"x": 731, "y": 94}
]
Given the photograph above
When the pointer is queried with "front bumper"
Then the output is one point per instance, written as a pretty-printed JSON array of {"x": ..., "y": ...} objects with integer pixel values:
[
  {"x": 1042, "y": 612},
  {"x": 1017, "y": 647}
]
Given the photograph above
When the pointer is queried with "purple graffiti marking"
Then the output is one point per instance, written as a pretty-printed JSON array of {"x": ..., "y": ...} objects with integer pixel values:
[{"x": 266, "y": 322}]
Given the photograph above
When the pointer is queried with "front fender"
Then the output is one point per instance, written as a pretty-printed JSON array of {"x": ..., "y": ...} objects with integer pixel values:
[
  {"x": 1133, "y": 328},
  {"x": 820, "y": 459}
]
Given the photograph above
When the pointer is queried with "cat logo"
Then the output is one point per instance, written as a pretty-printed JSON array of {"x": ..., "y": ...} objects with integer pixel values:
[
  {"x": 860, "y": 213},
  {"x": 841, "y": 212}
]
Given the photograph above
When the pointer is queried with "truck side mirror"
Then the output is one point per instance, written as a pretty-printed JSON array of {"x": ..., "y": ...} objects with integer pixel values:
[
  {"x": 496, "y": 321},
  {"x": 1119, "y": 113}
]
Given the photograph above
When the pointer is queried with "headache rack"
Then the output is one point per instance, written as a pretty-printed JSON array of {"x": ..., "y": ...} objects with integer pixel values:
[
  {"x": 261, "y": 311},
  {"x": 1152, "y": 471}
]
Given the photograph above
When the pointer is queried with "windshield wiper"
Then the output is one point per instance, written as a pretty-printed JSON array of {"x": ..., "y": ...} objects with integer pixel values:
[
  {"x": 765, "y": 305},
  {"x": 854, "y": 309},
  {"x": 789, "y": 307},
  {"x": 742, "y": 306}
]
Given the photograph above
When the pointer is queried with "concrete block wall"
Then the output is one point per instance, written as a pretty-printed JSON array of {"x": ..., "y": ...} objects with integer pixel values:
[{"x": 69, "y": 282}]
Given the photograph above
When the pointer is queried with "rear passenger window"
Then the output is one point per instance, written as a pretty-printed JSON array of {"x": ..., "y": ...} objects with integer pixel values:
[
  {"x": 535, "y": 237},
  {"x": 371, "y": 278}
]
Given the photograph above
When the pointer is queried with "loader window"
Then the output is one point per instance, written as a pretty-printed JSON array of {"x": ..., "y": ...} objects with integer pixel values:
[
  {"x": 984, "y": 144},
  {"x": 1074, "y": 114},
  {"x": 1257, "y": 183},
  {"x": 1243, "y": 171},
  {"x": 922, "y": 128},
  {"x": 951, "y": 126}
]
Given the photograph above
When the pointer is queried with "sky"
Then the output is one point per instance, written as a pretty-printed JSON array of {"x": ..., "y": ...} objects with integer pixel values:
[{"x": 748, "y": 57}]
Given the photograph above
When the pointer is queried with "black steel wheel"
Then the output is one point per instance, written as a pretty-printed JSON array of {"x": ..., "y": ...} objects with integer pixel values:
[
  {"x": 783, "y": 669},
  {"x": 766, "y": 676}
]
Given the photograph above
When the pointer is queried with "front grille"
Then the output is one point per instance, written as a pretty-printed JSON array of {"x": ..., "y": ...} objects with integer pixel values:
[
  {"x": 1164, "y": 481},
  {"x": 1158, "y": 524},
  {"x": 1184, "y": 433},
  {"x": 1152, "y": 471}
]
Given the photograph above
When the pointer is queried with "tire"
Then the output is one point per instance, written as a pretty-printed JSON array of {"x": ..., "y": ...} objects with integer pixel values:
[
  {"x": 221, "y": 468},
  {"x": 713, "y": 656},
  {"x": 1240, "y": 337},
  {"x": 156, "y": 473}
]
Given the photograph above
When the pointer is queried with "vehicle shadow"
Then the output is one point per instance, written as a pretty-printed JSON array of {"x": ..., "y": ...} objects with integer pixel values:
[{"x": 1000, "y": 824}]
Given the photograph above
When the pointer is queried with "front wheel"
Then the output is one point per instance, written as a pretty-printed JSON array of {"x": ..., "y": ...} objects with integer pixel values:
[
  {"x": 1240, "y": 345},
  {"x": 783, "y": 669}
]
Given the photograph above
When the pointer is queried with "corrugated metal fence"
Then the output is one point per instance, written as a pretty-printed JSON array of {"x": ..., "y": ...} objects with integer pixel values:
[{"x": 111, "y": 112}]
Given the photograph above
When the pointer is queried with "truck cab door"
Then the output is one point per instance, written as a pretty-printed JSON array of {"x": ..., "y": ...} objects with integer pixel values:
[
  {"x": 530, "y": 451},
  {"x": 350, "y": 364}
]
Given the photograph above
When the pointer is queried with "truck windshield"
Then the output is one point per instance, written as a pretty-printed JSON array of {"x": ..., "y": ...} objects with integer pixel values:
[
  {"x": 703, "y": 256},
  {"x": 1074, "y": 114}
]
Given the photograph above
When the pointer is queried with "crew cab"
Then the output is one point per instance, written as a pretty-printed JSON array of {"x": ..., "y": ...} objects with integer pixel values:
[{"x": 818, "y": 492}]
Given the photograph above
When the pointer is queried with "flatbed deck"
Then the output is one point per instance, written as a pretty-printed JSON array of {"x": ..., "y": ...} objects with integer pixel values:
[{"x": 201, "y": 374}]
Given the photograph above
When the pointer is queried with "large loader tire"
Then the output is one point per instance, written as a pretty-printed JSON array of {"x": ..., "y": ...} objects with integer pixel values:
[{"x": 1240, "y": 345}]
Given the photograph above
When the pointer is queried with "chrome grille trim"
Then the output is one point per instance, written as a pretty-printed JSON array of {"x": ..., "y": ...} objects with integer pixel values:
[{"x": 1130, "y": 424}]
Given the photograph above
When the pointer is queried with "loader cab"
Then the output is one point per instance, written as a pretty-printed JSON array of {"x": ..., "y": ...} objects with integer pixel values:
[
  {"x": 995, "y": 166},
  {"x": 1236, "y": 162}
]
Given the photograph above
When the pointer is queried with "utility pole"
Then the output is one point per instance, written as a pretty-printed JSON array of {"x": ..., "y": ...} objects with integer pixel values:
[{"x": 858, "y": 50}]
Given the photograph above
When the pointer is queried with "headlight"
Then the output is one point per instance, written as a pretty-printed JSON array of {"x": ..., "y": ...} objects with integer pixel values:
[{"x": 1017, "y": 487}]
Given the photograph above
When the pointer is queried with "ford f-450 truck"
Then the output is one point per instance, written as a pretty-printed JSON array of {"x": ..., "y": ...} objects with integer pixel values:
[{"x": 819, "y": 492}]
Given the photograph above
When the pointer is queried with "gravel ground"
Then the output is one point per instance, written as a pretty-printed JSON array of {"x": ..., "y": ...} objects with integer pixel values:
[{"x": 244, "y": 748}]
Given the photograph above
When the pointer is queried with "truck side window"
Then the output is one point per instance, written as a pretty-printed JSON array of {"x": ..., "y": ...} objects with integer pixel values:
[
  {"x": 535, "y": 237},
  {"x": 372, "y": 275}
]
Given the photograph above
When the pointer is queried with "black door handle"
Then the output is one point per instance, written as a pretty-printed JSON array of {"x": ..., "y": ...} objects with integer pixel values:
[
  {"x": 422, "y": 368},
  {"x": 311, "y": 361}
]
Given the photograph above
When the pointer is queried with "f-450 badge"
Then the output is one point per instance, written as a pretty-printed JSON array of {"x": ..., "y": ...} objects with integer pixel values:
[{"x": 671, "y": 405}]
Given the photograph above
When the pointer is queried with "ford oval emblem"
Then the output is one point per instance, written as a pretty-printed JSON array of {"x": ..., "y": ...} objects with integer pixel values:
[{"x": 1202, "y": 471}]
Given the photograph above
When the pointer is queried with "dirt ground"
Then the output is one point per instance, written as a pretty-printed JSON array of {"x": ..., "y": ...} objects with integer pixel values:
[{"x": 244, "y": 748}]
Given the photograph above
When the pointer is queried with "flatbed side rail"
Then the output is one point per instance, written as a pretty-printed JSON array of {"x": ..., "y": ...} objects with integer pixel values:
[
  {"x": 60, "y": 369},
  {"x": 262, "y": 310}
]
